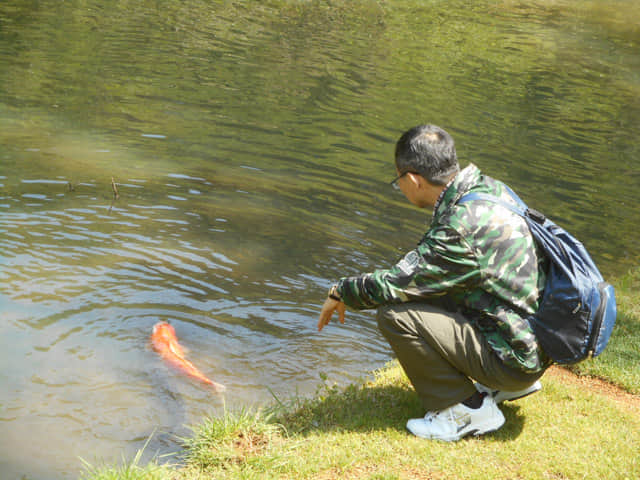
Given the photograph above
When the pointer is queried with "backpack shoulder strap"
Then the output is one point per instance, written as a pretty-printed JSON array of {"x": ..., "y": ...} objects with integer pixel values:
[
  {"x": 540, "y": 231},
  {"x": 519, "y": 209}
]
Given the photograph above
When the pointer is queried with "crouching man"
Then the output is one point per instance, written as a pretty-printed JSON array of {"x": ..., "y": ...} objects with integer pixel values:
[{"x": 453, "y": 309}]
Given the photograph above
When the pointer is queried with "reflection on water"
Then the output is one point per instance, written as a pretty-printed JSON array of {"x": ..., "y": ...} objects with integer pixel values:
[{"x": 250, "y": 149}]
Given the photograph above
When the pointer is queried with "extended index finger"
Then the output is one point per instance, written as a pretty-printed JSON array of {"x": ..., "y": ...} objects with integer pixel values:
[
  {"x": 322, "y": 321},
  {"x": 325, "y": 314}
]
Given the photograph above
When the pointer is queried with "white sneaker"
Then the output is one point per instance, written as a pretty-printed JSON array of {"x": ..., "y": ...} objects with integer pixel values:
[
  {"x": 502, "y": 395},
  {"x": 458, "y": 421}
]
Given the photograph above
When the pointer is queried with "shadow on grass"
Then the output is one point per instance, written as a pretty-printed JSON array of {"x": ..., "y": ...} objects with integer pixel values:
[
  {"x": 367, "y": 408},
  {"x": 513, "y": 425}
]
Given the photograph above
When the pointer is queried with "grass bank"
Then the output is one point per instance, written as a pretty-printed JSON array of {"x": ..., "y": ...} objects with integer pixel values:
[{"x": 575, "y": 428}]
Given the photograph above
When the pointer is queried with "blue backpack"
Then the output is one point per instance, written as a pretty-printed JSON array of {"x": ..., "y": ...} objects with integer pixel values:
[{"x": 578, "y": 308}]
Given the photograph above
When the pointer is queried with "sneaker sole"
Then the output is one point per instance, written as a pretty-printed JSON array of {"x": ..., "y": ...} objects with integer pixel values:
[{"x": 536, "y": 387}]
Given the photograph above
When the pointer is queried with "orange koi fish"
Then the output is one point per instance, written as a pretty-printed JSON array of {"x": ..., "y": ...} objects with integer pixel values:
[{"x": 165, "y": 342}]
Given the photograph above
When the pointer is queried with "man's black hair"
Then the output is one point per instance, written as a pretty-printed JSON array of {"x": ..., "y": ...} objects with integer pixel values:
[{"x": 429, "y": 151}]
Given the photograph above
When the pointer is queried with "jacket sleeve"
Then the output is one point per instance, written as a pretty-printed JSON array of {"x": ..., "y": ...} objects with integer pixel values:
[{"x": 442, "y": 262}]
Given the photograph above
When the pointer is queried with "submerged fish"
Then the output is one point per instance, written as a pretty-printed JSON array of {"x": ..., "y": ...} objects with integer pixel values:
[{"x": 165, "y": 342}]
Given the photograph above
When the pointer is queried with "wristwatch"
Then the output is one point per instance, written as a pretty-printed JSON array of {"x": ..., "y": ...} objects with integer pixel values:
[{"x": 333, "y": 293}]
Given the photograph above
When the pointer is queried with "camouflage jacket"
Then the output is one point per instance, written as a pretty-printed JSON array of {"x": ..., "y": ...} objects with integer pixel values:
[{"x": 478, "y": 256}]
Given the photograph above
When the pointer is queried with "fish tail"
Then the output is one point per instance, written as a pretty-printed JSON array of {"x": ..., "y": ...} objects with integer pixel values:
[{"x": 217, "y": 387}]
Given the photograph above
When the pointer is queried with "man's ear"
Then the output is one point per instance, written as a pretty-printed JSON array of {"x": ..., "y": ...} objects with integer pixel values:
[{"x": 416, "y": 179}]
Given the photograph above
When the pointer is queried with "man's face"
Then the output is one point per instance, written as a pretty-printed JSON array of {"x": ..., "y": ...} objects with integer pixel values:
[{"x": 417, "y": 189}]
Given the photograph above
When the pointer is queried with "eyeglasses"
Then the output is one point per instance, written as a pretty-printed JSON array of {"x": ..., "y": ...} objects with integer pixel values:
[{"x": 394, "y": 182}]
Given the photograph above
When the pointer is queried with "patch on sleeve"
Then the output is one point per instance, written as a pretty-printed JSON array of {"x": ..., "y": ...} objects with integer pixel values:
[{"x": 409, "y": 263}]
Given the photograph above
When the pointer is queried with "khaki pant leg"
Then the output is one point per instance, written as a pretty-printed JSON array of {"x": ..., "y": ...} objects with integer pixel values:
[{"x": 441, "y": 351}]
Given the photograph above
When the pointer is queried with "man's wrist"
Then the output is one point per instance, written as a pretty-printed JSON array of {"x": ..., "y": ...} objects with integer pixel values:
[{"x": 333, "y": 293}]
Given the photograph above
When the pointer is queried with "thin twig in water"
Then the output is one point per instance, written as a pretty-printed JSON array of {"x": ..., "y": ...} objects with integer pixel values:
[
  {"x": 116, "y": 195},
  {"x": 115, "y": 189}
]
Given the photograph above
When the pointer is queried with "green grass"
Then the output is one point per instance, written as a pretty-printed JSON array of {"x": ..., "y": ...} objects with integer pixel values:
[
  {"x": 242, "y": 438},
  {"x": 357, "y": 432},
  {"x": 129, "y": 470}
]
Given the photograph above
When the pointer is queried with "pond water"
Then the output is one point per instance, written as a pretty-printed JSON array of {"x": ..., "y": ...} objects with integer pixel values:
[{"x": 217, "y": 165}]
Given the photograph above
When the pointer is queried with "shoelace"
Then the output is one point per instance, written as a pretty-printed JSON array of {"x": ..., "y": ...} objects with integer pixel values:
[{"x": 429, "y": 416}]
